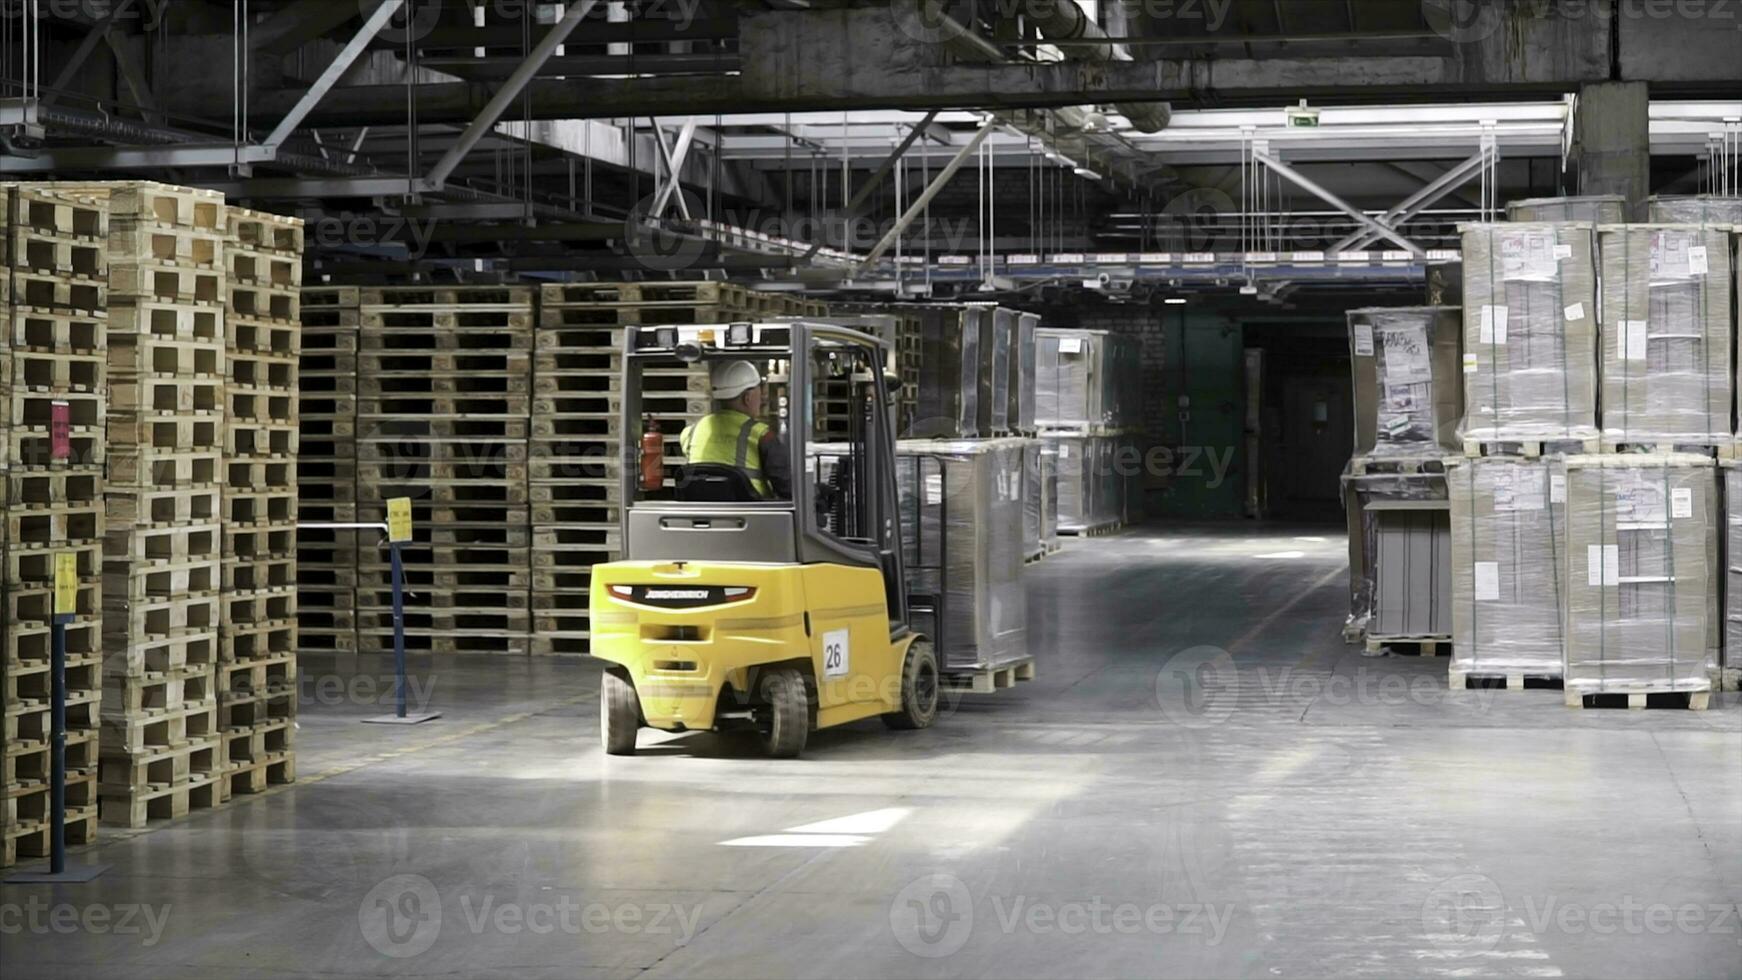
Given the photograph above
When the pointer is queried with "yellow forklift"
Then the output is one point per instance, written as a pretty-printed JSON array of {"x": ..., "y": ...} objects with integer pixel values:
[{"x": 734, "y": 610}]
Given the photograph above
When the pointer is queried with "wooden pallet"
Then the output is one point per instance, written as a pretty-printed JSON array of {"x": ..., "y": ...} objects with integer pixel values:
[
  {"x": 1364, "y": 465},
  {"x": 1725, "y": 450},
  {"x": 1529, "y": 448},
  {"x": 1421, "y": 646},
  {"x": 138, "y": 806},
  {"x": 1093, "y": 531},
  {"x": 553, "y": 295},
  {"x": 1459, "y": 680},
  {"x": 1639, "y": 700},
  {"x": 991, "y": 679}
]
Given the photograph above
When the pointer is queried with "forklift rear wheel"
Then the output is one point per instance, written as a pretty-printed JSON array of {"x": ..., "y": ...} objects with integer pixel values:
[
  {"x": 619, "y": 713},
  {"x": 788, "y": 715},
  {"x": 919, "y": 689}
]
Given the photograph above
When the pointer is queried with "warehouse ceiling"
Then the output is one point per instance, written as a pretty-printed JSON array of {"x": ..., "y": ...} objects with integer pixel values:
[{"x": 490, "y": 137}]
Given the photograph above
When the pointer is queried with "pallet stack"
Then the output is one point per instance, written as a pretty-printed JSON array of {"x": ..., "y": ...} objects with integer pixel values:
[
  {"x": 163, "y": 543},
  {"x": 326, "y": 469},
  {"x": 53, "y": 277},
  {"x": 577, "y": 440},
  {"x": 256, "y": 671},
  {"x": 443, "y": 410}
]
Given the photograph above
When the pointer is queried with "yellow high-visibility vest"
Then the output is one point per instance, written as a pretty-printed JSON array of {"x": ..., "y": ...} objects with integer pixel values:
[{"x": 728, "y": 438}]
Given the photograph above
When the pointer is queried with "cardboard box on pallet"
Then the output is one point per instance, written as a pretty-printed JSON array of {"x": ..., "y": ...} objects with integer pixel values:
[
  {"x": 1642, "y": 573},
  {"x": 1409, "y": 392},
  {"x": 1508, "y": 523},
  {"x": 1608, "y": 209},
  {"x": 1666, "y": 334},
  {"x": 1530, "y": 332}
]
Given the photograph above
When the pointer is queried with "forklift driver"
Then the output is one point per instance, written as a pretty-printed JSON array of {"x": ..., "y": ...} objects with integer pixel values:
[{"x": 733, "y": 434}]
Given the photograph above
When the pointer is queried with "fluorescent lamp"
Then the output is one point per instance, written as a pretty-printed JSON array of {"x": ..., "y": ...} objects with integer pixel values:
[{"x": 1175, "y": 301}]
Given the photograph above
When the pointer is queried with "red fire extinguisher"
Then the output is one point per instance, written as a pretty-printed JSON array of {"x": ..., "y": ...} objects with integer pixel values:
[{"x": 652, "y": 456}]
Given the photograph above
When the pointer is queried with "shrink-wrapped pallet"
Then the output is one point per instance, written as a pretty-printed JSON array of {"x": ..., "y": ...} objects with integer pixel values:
[
  {"x": 1069, "y": 380},
  {"x": 1093, "y": 481},
  {"x": 1666, "y": 334},
  {"x": 1507, "y": 523},
  {"x": 1642, "y": 573},
  {"x": 1530, "y": 333},
  {"x": 1034, "y": 500},
  {"x": 997, "y": 341},
  {"x": 1399, "y": 555},
  {"x": 1700, "y": 209},
  {"x": 1022, "y": 364},
  {"x": 961, "y": 528},
  {"x": 1409, "y": 393},
  {"x": 949, "y": 378},
  {"x": 1732, "y": 564},
  {"x": 1607, "y": 209}
]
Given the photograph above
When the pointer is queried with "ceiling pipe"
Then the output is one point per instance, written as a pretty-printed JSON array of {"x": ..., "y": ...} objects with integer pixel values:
[{"x": 1063, "y": 20}]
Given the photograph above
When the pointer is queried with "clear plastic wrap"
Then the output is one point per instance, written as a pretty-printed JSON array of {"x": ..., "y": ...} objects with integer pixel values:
[
  {"x": 1409, "y": 393},
  {"x": 949, "y": 379},
  {"x": 1067, "y": 378},
  {"x": 1666, "y": 334},
  {"x": 1530, "y": 332},
  {"x": 1399, "y": 555},
  {"x": 1701, "y": 209},
  {"x": 961, "y": 534},
  {"x": 1508, "y": 567},
  {"x": 1606, "y": 209},
  {"x": 1022, "y": 358},
  {"x": 1732, "y": 564},
  {"x": 1642, "y": 573},
  {"x": 1033, "y": 500},
  {"x": 997, "y": 338},
  {"x": 1049, "y": 487},
  {"x": 1092, "y": 485}
]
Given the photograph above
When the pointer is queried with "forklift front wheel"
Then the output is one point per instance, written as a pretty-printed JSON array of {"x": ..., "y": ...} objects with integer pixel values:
[
  {"x": 619, "y": 713},
  {"x": 919, "y": 689},
  {"x": 788, "y": 720}
]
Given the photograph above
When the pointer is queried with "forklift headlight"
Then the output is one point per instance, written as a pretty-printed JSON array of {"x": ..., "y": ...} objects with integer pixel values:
[
  {"x": 738, "y": 334},
  {"x": 688, "y": 353}
]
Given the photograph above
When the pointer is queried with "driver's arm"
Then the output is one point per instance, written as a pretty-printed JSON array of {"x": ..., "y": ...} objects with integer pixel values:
[{"x": 775, "y": 466}]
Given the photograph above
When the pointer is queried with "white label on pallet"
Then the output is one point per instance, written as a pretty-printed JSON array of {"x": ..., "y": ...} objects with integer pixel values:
[
  {"x": 1575, "y": 312},
  {"x": 1493, "y": 329},
  {"x": 1697, "y": 262},
  {"x": 1070, "y": 345},
  {"x": 1470, "y": 363},
  {"x": 1602, "y": 564},
  {"x": 1363, "y": 340},
  {"x": 934, "y": 488},
  {"x": 837, "y": 653},
  {"x": 1557, "y": 488},
  {"x": 1681, "y": 502},
  {"x": 1487, "y": 581},
  {"x": 1563, "y": 252},
  {"x": 1634, "y": 334}
]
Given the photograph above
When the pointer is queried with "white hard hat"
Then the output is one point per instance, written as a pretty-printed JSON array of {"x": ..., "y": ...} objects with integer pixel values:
[{"x": 733, "y": 378}]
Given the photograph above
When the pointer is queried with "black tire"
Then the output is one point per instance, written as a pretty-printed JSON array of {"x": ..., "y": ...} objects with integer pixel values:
[
  {"x": 920, "y": 689},
  {"x": 788, "y": 713},
  {"x": 619, "y": 714}
]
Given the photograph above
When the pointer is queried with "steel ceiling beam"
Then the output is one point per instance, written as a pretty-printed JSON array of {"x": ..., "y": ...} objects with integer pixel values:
[
  {"x": 1446, "y": 183},
  {"x": 1303, "y": 182},
  {"x": 330, "y": 77},
  {"x": 510, "y": 90},
  {"x": 919, "y": 203}
]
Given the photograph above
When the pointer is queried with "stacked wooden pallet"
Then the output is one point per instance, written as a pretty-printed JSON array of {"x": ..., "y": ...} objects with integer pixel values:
[
  {"x": 443, "y": 408},
  {"x": 256, "y": 671},
  {"x": 577, "y": 426},
  {"x": 163, "y": 542},
  {"x": 53, "y": 277},
  {"x": 326, "y": 465}
]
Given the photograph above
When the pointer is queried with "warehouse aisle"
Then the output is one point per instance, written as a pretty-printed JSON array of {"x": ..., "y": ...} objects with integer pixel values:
[{"x": 1203, "y": 781}]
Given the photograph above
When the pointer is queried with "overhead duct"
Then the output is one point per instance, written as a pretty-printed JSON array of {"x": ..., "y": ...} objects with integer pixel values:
[{"x": 1063, "y": 20}]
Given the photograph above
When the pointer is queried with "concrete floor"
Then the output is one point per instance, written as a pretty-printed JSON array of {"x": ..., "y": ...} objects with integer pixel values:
[{"x": 1309, "y": 813}]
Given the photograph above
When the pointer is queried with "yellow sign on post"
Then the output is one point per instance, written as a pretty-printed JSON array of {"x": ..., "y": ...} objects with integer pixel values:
[
  {"x": 66, "y": 584},
  {"x": 399, "y": 520}
]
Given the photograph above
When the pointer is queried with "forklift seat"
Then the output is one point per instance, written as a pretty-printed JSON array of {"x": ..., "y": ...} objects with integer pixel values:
[{"x": 714, "y": 483}]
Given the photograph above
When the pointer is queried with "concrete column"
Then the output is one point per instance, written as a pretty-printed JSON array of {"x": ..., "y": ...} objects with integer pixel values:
[{"x": 1612, "y": 131}]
